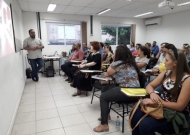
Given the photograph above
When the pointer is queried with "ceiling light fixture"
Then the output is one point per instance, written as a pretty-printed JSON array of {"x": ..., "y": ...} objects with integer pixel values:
[
  {"x": 182, "y": 4},
  {"x": 106, "y": 10},
  {"x": 143, "y": 14},
  {"x": 51, "y": 7}
]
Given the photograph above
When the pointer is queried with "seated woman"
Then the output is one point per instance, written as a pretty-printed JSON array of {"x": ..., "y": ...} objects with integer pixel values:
[
  {"x": 143, "y": 58},
  {"x": 132, "y": 47},
  {"x": 148, "y": 46},
  {"x": 135, "y": 52},
  {"x": 186, "y": 50},
  {"x": 125, "y": 72},
  {"x": 93, "y": 62},
  {"x": 108, "y": 54},
  {"x": 176, "y": 95}
]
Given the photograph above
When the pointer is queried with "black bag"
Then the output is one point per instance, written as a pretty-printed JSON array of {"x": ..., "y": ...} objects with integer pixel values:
[
  {"x": 28, "y": 73},
  {"x": 50, "y": 71}
]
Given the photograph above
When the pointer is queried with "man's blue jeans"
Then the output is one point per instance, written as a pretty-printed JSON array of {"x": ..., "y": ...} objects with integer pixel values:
[{"x": 36, "y": 65}]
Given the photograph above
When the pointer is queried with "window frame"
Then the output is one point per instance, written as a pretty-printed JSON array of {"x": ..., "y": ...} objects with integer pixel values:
[
  {"x": 117, "y": 26},
  {"x": 64, "y": 24}
]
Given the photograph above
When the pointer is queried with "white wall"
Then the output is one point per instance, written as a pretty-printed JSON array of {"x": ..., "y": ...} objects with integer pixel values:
[
  {"x": 30, "y": 22},
  {"x": 174, "y": 29},
  {"x": 12, "y": 79}
]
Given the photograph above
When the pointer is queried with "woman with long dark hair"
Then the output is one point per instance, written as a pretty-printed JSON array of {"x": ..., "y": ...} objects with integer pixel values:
[
  {"x": 175, "y": 96},
  {"x": 125, "y": 72},
  {"x": 108, "y": 54},
  {"x": 143, "y": 58}
]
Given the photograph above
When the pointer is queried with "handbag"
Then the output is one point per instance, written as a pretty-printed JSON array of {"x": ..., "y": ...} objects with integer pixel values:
[
  {"x": 79, "y": 71},
  {"x": 154, "y": 110}
]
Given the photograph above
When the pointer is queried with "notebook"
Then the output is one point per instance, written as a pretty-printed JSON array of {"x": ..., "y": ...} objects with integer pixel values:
[{"x": 137, "y": 92}]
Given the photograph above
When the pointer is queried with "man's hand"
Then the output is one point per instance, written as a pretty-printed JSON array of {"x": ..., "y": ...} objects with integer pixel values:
[
  {"x": 38, "y": 47},
  {"x": 33, "y": 48}
]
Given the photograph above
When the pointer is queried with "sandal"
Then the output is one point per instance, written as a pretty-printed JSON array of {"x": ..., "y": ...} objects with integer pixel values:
[
  {"x": 100, "y": 128},
  {"x": 76, "y": 94},
  {"x": 109, "y": 117}
]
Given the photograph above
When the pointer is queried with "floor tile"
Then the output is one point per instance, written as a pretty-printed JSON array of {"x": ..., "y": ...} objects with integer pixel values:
[
  {"x": 45, "y": 85},
  {"x": 25, "y": 117},
  {"x": 91, "y": 115},
  {"x": 53, "y": 132},
  {"x": 80, "y": 100},
  {"x": 74, "y": 119},
  {"x": 27, "y": 101},
  {"x": 57, "y": 88},
  {"x": 26, "y": 108},
  {"x": 88, "y": 107},
  {"x": 24, "y": 128},
  {"x": 82, "y": 129},
  {"x": 59, "y": 92},
  {"x": 51, "y": 113},
  {"x": 56, "y": 85},
  {"x": 44, "y": 99},
  {"x": 45, "y": 106},
  {"x": 42, "y": 89},
  {"x": 48, "y": 124},
  {"x": 68, "y": 110},
  {"x": 43, "y": 94},
  {"x": 62, "y": 103},
  {"x": 31, "y": 95},
  {"x": 61, "y": 97},
  {"x": 30, "y": 91}
]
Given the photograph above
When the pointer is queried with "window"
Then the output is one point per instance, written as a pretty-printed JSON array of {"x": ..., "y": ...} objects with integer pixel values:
[
  {"x": 114, "y": 35},
  {"x": 63, "y": 34}
]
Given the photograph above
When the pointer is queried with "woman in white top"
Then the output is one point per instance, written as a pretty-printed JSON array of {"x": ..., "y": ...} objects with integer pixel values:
[{"x": 143, "y": 58}]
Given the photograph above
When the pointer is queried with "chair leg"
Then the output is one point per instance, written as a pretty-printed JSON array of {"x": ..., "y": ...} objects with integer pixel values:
[
  {"x": 93, "y": 95},
  {"x": 123, "y": 119},
  {"x": 86, "y": 93}
]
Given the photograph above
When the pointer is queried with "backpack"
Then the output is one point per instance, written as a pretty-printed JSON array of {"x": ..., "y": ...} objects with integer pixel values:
[
  {"x": 50, "y": 71},
  {"x": 28, "y": 73}
]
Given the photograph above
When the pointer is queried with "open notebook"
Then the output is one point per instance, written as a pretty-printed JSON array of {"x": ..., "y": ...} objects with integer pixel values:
[{"x": 136, "y": 92}]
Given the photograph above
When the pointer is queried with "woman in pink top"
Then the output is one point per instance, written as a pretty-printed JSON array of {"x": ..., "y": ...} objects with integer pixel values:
[{"x": 135, "y": 53}]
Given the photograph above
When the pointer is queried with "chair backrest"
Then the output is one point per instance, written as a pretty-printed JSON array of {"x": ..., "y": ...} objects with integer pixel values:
[
  {"x": 152, "y": 62},
  {"x": 142, "y": 79}
]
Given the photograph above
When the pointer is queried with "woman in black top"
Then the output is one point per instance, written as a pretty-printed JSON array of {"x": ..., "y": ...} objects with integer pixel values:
[{"x": 93, "y": 62}]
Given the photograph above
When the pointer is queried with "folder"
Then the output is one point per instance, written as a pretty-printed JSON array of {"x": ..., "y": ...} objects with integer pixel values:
[{"x": 136, "y": 92}]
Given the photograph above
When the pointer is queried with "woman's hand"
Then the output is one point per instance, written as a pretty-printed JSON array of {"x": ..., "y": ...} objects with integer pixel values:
[
  {"x": 106, "y": 74},
  {"x": 83, "y": 61},
  {"x": 147, "y": 101},
  {"x": 81, "y": 66},
  {"x": 155, "y": 97}
]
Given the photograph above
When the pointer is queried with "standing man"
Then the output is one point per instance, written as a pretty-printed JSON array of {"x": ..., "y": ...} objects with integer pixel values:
[
  {"x": 155, "y": 48},
  {"x": 34, "y": 47}
]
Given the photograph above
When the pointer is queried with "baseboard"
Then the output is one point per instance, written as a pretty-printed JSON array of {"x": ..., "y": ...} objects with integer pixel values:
[{"x": 15, "y": 113}]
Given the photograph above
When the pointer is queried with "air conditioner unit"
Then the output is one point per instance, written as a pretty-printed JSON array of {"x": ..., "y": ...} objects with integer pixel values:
[{"x": 153, "y": 21}]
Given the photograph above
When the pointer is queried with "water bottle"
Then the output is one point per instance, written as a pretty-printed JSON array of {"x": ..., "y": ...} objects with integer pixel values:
[{"x": 117, "y": 124}]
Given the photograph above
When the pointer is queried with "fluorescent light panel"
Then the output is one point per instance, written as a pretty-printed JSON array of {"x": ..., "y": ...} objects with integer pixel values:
[
  {"x": 143, "y": 14},
  {"x": 182, "y": 4},
  {"x": 106, "y": 10},
  {"x": 51, "y": 7}
]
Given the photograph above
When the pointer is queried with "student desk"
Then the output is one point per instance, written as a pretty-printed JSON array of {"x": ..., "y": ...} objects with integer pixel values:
[{"x": 51, "y": 59}]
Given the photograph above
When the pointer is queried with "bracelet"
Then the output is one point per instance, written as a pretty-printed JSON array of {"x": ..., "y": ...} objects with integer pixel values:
[{"x": 151, "y": 92}]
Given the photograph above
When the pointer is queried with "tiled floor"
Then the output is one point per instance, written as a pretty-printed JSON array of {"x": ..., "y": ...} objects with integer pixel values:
[{"x": 47, "y": 108}]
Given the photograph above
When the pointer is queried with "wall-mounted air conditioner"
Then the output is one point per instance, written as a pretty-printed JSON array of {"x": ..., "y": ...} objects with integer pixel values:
[{"x": 153, "y": 21}]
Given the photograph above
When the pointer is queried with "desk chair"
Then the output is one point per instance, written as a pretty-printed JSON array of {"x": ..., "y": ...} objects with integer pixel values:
[{"x": 124, "y": 106}]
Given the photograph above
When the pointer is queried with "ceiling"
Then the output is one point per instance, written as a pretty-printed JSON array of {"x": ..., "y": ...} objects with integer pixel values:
[{"x": 119, "y": 8}]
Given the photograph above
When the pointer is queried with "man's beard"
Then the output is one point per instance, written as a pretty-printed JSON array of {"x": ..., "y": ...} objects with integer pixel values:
[{"x": 32, "y": 36}]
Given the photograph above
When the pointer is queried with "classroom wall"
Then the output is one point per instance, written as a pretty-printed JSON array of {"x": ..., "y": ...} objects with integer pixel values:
[
  {"x": 97, "y": 21},
  {"x": 12, "y": 78},
  {"x": 174, "y": 29}
]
